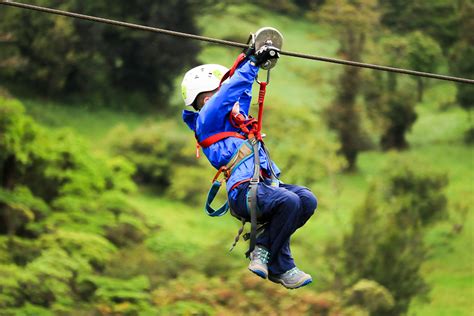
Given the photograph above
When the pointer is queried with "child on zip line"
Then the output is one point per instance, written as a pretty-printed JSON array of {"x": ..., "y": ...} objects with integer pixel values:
[{"x": 229, "y": 138}]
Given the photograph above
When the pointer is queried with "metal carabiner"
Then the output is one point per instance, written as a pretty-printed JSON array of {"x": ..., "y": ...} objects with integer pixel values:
[{"x": 268, "y": 78}]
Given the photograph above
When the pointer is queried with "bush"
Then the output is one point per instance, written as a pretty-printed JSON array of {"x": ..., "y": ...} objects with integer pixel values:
[
  {"x": 93, "y": 249},
  {"x": 399, "y": 116},
  {"x": 191, "y": 184},
  {"x": 10, "y": 288},
  {"x": 385, "y": 243},
  {"x": 57, "y": 203},
  {"x": 416, "y": 192},
  {"x": 370, "y": 295},
  {"x": 156, "y": 149},
  {"x": 241, "y": 294}
]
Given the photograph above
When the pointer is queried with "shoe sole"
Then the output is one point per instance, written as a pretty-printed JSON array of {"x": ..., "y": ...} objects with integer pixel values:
[
  {"x": 279, "y": 281},
  {"x": 260, "y": 273}
]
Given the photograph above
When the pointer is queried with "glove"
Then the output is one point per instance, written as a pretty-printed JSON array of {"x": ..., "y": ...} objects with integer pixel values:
[
  {"x": 264, "y": 54},
  {"x": 249, "y": 51}
]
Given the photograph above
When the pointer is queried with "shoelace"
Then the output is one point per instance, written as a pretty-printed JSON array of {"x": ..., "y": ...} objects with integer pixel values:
[
  {"x": 293, "y": 271},
  {"x": 262, "y": 254}
]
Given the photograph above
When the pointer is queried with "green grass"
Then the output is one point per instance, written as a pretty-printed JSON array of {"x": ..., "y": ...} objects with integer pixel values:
[
  {"x": 436, "y": 140},
  {"x": 94, "y": 124}
]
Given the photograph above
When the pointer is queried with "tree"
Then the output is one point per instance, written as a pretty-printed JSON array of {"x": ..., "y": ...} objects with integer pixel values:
[
  {"x": 353, "y": 21},
  {"x": 462, "y": 64},
  {"x": 385, "y": 243},
  {"x": 423, "y": 54},
  {"x": 64, "y": 56},
  {"x": 390, "y": 103},
  {"x": 439, "y": 19}
]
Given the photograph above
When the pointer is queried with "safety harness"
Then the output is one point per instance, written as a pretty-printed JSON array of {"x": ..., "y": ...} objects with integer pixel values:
[{"x": 250, "y": 130}]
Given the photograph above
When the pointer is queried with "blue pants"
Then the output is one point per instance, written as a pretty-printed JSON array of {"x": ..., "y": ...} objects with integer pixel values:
[{"x": 285, "y": 208}]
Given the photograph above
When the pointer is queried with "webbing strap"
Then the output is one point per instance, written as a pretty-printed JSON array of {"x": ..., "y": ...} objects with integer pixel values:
[
  {"x": 244, "y": 152},
  {"x": 252, "y": 196},
  {"x": 252, "y": 193},
  {"x": 231, "y": 71},
  {"x": 216, "y": 185},
  {"x": 219, "y": 136},
  {"x": 261, "y": 100}
]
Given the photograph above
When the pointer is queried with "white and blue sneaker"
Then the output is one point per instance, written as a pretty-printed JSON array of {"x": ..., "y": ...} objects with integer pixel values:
[
  {"x": 292, "y": 279},
  {"x": 258, "y": 261}
]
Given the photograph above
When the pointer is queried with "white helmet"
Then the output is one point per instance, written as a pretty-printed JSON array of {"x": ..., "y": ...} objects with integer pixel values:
[{"x": 201, "y": 79}]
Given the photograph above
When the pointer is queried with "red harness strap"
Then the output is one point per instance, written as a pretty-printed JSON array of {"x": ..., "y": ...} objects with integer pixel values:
[
  {"x": 219, "y": 136},
  {"x": 231, "y": 71},
  {"x": 214, "y": 139},
  {"x": 261, "y": 99}
]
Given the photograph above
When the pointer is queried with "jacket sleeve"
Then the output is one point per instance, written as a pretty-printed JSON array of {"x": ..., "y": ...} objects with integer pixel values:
[
  {"x": 239, "y": 85},
  {"x": 189, "y": 117}
]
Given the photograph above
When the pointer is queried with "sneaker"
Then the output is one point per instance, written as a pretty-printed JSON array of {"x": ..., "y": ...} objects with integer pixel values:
[
  {"x": 292, "y": 279},
  {"x": 258, "y": 261}
]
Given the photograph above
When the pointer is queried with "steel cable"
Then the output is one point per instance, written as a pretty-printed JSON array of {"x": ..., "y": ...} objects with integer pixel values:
[{"x": 234, "y": 44}]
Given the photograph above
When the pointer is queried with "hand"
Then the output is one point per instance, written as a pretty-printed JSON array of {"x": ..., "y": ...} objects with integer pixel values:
[
  {"x": 264, "y": 54},
  {"x": 249, "y": 51}
]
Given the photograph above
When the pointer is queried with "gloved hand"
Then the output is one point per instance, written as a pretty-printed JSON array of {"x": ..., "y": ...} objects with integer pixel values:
[
  {"x": 264, "y": 54},
  {"x": 249, "y": 51}
]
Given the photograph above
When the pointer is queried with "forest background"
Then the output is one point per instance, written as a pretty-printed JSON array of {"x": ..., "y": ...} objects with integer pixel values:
[{"x": 101, "y": 197}]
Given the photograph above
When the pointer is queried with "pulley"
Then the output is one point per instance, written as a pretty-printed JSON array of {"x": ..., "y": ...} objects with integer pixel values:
[{"x": 267, "y": 36}]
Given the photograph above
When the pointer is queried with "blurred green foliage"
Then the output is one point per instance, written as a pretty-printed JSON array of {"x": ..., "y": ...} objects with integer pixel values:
[
  {"x": 64, "y": 213},
  {"x": 190, "y": 184},
  {"x": 386, "y": 243},
  {"x": 463, "y": 65},
  {"x": 422, "y": 54},
  {"x": 371, "y": 295},
  {"x": 391, "y": 108},
  {"x": 354, "y": 22},
  {"x": 243, "y": 294},
  {"x": 307, "y": 154},
  {"x": 450, "y": 24},
  {"x": 59, "y": 56},
  {"x": 164, "y": 156},
  {"x": 439, "y": 19},
  {"x": 155, "y": 149}
]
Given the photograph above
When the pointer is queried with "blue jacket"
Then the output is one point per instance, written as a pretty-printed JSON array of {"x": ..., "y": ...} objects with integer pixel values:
[{"x": 214, "y": 118}]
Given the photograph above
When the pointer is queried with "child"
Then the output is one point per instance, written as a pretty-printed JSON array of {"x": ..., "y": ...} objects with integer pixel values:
[{"x": 219, "y": 124}]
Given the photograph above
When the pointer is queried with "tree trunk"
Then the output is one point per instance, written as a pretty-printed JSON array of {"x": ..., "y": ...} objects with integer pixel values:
[
  {"x": 421, "y": 88},
  {"x": 7, "y": 226}
]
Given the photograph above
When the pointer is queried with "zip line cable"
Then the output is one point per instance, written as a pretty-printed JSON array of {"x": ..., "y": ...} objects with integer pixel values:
[{"x": 234, "y": 44}]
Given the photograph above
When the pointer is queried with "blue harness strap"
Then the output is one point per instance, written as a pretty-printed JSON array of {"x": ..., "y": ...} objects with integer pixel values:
[{"x": 210, "y": 197}]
